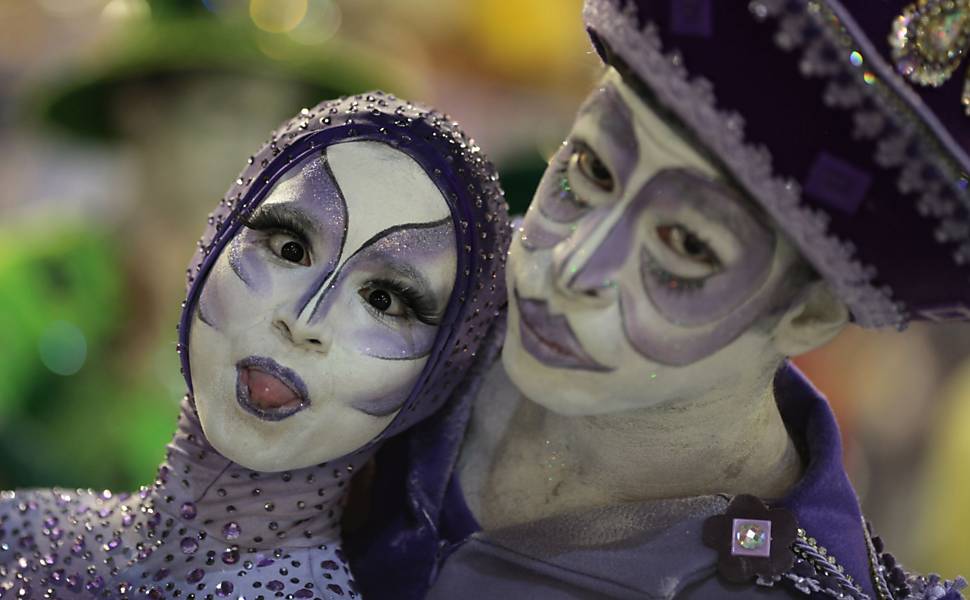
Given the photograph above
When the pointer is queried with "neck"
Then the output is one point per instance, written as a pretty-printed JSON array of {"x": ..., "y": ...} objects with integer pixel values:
[
  {"x": 730, "y": 440},
  {"x": 251, "y": 509}
]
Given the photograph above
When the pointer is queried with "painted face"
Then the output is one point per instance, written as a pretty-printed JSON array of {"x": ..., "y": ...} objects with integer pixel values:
[
  {"x": 317, "y": 318},
  {"x": 638, "y": 270}
]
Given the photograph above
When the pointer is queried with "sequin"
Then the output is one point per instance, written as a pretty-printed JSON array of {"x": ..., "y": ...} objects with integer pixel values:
[{"x": 930, "y": 39}]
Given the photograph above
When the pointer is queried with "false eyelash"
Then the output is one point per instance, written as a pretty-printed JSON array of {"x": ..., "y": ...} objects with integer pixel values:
[
  {"x": 275, "y": 219},
  {"x": 420, "y": 305}
]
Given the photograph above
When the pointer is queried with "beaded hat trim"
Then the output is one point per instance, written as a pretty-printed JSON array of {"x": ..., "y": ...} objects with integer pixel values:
[{"x": 908, "y": 137}]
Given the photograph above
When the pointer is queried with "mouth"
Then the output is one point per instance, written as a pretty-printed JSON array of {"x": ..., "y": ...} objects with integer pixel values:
[
  {"x": 550, "y": 339},
  {"x": 268, "y": 390}
]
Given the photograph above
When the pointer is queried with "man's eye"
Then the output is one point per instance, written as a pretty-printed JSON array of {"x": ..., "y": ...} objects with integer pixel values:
[
  {"x": 592, "y": 168},
  {"x": 384, "y": 301},
  {"x": 686, "y": 244},
  {"x": 289, "y": 249}
]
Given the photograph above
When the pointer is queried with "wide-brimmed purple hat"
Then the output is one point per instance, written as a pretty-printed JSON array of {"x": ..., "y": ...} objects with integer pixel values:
[{"x": 847, "y": 121}]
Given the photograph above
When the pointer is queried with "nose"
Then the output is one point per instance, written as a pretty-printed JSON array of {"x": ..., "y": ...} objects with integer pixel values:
[
  {"x": 587, "y": 263},
  {"x": 298, "y": 333}
]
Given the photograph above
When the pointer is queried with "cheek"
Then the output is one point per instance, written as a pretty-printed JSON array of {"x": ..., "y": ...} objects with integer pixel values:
[
  {"x": 377, "y": 387},
  {"x": 404, "y": 343},
  {"x": 689, "y": 304},
  {"x": 554, "y": 198},
  {"x": 358, "y": 330},
  {"x": 239, "y": 276},
  {"x": 247, "y": 264},
  {"x": 658, "y": 339}
]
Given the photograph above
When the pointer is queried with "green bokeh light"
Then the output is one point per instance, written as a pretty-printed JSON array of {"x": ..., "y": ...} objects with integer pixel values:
[{"x": 62, "y": 348}]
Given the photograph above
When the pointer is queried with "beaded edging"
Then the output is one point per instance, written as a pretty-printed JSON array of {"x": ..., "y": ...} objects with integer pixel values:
[{"x": 884, "y": 109}]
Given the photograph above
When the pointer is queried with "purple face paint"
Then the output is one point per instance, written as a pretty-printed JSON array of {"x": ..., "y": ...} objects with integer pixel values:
[
  {"x": 616, "y": 145},
  {"x": 313, "y": 191},
  {"x": 386, "y": 405},
  {"x": 401, "y": 257},
  {"x": 665, "y": 195},
  {"x": 550, "y": 339},
  {"x": 555, "y": 199},
  {"x": 709, "y": 312},
  {"x": 210, "y": 307},
  {"x": 249, "y": 267},
  {"x": 683, "y": 346},
  {"x": 717, "y": 296},
  {"x": 310, "y": 196},
  {"x": 535, "y": 236}
]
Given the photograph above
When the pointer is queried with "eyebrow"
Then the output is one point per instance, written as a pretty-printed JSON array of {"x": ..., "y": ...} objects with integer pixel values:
[
  {"x": 274, "y": 215},
  {"x": 726, "y": 205},
  {"x": 613, "y": 117}
]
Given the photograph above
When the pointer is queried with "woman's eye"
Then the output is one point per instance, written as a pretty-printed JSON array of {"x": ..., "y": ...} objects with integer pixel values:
[
  {"x": 382, "y": 300},
  {"x": 289, "y": 249},
  {"x": 686, "y": 244},
  {"x": 593, "y": 168}
]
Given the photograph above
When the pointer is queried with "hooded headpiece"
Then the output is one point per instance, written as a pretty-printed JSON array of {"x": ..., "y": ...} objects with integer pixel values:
[{"x": 465, "y": 178}]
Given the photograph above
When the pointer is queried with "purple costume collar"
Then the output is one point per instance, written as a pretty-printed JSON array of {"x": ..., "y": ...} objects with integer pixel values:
[{"x": 403, "y": 554}]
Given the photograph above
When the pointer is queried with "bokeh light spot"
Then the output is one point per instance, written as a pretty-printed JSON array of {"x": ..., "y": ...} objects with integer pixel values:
[
  {"x": 62, "y": 348},
  {"x": 277, "y": 16},
  {"x": 321, "y": 23}
]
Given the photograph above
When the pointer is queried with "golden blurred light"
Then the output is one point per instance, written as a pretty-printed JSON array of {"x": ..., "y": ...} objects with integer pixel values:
[
  {"x": 534, "y": 40},
  {"x": 322, "y": 21},
  {"x": 277, "y": 16},
  {"x": 123, "y": 10}
]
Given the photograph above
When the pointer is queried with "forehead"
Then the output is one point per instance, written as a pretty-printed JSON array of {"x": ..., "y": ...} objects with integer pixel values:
[
  {"x": 615, "y": 116},
  {"x": 376, "y": 187}
]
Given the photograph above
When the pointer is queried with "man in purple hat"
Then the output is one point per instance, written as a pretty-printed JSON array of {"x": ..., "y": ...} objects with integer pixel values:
[{"x": 744, "y": 181}]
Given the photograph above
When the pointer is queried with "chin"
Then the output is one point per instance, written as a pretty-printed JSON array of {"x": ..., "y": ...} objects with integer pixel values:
[{"x": 561, "y": 391}]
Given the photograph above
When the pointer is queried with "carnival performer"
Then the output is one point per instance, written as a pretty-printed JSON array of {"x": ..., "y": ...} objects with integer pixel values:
[
  {"x": 744, "y": 181},
  {"x": 345, "y": 286}
]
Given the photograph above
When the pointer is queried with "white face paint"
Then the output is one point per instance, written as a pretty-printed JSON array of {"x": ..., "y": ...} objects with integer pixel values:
[
  {"x": 317, "y": 318},
  {"x": 638, "y": 272}
]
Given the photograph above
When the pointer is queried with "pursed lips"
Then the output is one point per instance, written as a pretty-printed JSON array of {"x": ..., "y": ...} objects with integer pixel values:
[
  {"x": 268, "y": 390},
  {"x": 550, "y": 339}
]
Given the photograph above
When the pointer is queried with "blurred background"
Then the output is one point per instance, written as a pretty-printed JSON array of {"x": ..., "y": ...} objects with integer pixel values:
[{"x": 122, "y": 122}]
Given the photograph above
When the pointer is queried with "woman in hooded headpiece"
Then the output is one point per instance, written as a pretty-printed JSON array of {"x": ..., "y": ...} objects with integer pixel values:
[{"x": 345, "y": 288}]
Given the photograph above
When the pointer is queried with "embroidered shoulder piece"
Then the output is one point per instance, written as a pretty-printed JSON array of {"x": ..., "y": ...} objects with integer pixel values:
[
  {"x": 816, "y": 571},
  {"x": 893, "y": 583}
]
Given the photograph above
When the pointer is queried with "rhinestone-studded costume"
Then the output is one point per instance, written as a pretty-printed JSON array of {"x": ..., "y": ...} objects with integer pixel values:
[
  {"x": 843, "y": 121},
  {"x": 210, "y": 528}
]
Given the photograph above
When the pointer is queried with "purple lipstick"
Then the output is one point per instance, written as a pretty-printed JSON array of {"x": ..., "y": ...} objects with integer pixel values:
[
  {"x": 268, "y": 390},
  {"x": 550, "y": 339}
]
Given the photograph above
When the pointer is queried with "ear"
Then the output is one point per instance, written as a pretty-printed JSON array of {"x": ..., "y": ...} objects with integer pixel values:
[{"x": 814, "y": 320}]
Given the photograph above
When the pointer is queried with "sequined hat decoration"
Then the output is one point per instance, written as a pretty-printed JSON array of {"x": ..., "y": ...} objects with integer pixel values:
[{"x": 929, "y": 41}]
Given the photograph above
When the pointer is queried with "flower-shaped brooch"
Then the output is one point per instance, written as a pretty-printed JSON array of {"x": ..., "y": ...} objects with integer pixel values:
[
  {"x": 930, "y": 39},
  {"x": 751, "y": 539}
]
